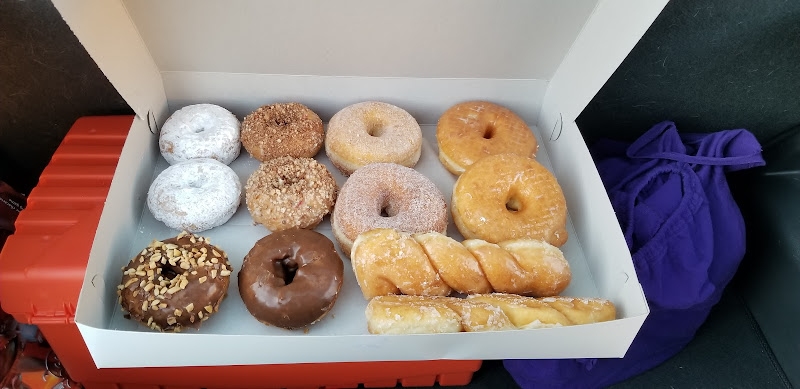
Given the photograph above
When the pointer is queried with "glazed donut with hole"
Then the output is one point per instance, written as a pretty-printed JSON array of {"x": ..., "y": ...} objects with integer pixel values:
[
  {"x": 469, "y": 131},
  {"x": 507, "y": 196}
]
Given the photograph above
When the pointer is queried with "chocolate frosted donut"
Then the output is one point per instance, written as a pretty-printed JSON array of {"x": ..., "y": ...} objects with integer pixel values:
[
  {"x": 175, "y": 283},
  {"x": 291, "y": 278}
]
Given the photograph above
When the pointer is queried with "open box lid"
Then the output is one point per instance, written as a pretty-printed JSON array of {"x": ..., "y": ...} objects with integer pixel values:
[
  {"x": 544, "y": 60},
  {"x": 558, "y": 54}
]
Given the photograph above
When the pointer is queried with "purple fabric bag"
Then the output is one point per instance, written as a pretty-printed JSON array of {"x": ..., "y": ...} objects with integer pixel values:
[{"x": 686, "y": 237}]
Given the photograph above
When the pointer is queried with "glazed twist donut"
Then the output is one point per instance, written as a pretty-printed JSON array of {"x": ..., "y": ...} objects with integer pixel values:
[
  {"x": 389, "y": 261},
  {"x": 484, "y": 312}
]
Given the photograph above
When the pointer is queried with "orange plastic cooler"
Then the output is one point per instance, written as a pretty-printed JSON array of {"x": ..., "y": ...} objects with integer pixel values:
[{"x": 42, "y": 268}]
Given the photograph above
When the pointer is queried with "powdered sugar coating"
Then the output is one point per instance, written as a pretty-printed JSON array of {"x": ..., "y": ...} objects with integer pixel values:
[
  {"x": 410, "y": 200},
  {"x": 200, "y": 131},
  {"x": 195, "y": 195}
]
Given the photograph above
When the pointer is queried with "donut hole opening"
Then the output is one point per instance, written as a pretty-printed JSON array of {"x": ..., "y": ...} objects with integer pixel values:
[
  {"x": 286, "y": 268},
  {"x": 168, "y": 272},
  {"x": 387, "y": 210},
  {"x": 375, "y": 128},
  {"x": 488, "y": 132},
  {"x": 513, "y": 204}
]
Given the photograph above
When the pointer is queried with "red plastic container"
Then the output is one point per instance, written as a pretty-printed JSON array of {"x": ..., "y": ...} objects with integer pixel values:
[{"x": 43, "y": 264}]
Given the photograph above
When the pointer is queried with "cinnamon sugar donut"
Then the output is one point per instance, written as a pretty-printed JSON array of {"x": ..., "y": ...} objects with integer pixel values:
[
  {"x": 372, "y": 131},
  {"x": 387, "y": 195},
  {"x": 288, "y": 192},
  {"x": 283, "y": 129},
  {"x": 507, "y": 196},
  {"x": 472, "y": 130}
]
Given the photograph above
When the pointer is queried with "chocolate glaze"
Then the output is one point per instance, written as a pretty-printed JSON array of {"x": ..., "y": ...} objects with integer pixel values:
[
  {"x": 291, "y": 278},
  {"x": 200, "y": 295}
]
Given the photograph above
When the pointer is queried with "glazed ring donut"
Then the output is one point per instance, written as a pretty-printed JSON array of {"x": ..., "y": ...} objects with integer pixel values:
[
  {"x": 195, "y": 195},
  {"x": 280, "y": 130},
  {"x": 291, "y": 278},
  {"x": 472, "y": 130},
  {"x": 175, "y": 283},
  {"x": 507, "y": 196},
  {"x": 387, "y": 195},
  {"x": 200, "y": 131},
  {"x": 372, "y": 131},
  {"x": 288, "y": 192}
]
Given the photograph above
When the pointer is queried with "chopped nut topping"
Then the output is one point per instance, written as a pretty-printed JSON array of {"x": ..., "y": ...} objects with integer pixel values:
[
  {"x": 225, "y": 273},
  {"x": 214, "y": 273},
  {"x": 178, "y": 312},
  {"x": 209, "y": 308},
  {"x": 189, "y": 307},
  {"x": 171, "y": 320},
  {"x": 202, "y": 279}
]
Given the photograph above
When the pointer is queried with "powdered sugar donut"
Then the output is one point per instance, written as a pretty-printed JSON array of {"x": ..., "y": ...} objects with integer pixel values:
[
  {"x": 200, "y": 131},
  {"x": 195, "y": 195}
]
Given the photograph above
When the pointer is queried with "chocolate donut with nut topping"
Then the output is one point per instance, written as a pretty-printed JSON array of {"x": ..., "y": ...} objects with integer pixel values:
[{"x": 175, "y": 283}]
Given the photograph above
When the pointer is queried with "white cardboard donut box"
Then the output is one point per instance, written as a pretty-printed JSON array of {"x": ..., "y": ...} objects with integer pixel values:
[{"x": 543, "y": 59}]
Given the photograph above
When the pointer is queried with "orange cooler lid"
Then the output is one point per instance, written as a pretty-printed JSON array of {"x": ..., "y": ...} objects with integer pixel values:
[{"x": 42, "y": 265}]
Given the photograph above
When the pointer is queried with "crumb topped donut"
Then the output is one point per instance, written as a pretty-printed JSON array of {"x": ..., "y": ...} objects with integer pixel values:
[
  {"x": 469, "y": 131},
  {"x": 291, "y": 278},
  {"x": 176, "y": 283},
  {"x": 372, "y": 131},
  {"x": 288, "y": 192},
  {"x": 387, "y": 195},
  {"x": 507, "y": 196},
  {"x": 195, "y": 195},
  {"x": 283, "y": 129},
  {"x": 200, "y": 131}
]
